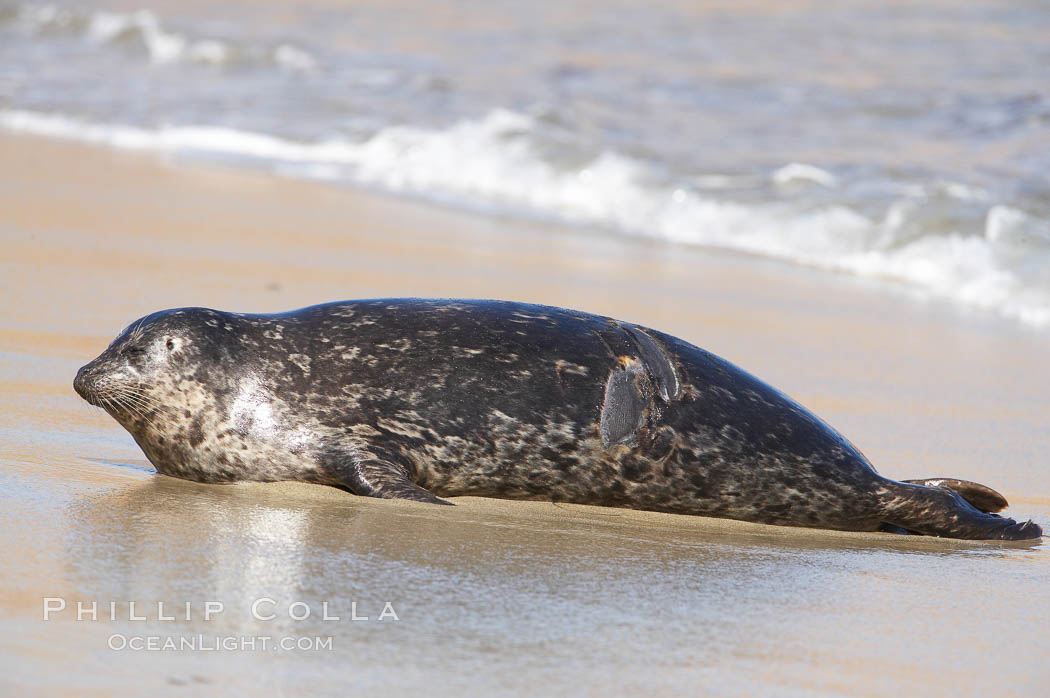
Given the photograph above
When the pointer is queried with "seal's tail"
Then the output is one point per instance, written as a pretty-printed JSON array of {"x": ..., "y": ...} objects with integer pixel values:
[{"x": 953, "y": 509}]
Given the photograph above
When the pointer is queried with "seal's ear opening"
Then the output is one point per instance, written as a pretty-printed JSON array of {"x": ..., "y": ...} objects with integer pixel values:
[
  {"x": 173, "y": 344},
  {"x": 979, "y": 496}
]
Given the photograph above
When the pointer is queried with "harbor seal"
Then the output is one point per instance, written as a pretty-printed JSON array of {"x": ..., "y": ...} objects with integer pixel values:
[{"x": 420, "y": 399}]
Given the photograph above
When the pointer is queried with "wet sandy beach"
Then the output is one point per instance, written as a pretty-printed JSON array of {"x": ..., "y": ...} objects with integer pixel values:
[{"x": 490, "y": 598}]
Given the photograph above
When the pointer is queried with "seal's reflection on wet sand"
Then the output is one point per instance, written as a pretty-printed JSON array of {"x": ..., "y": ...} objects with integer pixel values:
[{"x": 543, "y": 583}]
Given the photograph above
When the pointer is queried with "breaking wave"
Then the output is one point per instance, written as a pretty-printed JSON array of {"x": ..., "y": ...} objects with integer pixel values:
[{"x": 493, "y": 163}]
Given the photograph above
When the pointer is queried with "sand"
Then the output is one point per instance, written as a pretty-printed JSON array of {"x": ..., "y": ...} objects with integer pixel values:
[{"x": 491, "y": 598}]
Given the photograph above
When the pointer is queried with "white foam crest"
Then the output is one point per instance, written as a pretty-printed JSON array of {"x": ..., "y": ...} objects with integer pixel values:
[
  {"x": 204, "y": 139},
  {"x": 801, "y": 172},
  {"x": 1011, "y": 226},
  {"x": 492, "y": 162},
  {"x": 964, "y": 192},
  {"x": 162, "y": 45},
  {"x": 106, "y": 26},
  {"x": 294, "y": 58}
]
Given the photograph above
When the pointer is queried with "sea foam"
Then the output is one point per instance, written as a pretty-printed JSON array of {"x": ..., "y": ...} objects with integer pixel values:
[{"x": 161, "y": 44}]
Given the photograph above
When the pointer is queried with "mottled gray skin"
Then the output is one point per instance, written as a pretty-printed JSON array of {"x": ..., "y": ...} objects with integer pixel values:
[{"x": 412, "y": 399}]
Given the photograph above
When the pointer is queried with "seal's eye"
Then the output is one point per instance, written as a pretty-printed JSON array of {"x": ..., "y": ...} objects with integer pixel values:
[
  {"x": 171, "y": 345},
  {"x": 134, "y": 352}
]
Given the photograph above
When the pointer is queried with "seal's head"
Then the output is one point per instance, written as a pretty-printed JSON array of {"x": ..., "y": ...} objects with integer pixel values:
[
  {"x": 187, "y": 385},
  {"x": 123, "y": 379},
  {"x": 156, "y": 377}
]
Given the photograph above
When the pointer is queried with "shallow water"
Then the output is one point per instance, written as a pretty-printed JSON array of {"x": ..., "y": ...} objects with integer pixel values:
[
  {"x": 492, "y": 598},
  {"x": 899, "y": 141}
]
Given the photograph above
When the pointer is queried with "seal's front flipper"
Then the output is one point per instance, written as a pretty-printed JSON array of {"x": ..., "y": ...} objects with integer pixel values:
[
  {"x": 381, "y": 478},
  {"x": 984, "y": 498},
  {"x": 627, "y": 393},
  {"x": 940, "y": 511}
]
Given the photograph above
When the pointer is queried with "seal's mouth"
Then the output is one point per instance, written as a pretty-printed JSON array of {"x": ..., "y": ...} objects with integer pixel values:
[{"x": 118, "y": 399}]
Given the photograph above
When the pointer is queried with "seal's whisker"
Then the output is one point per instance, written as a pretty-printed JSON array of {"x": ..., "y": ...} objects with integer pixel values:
[
  {"x": 134, "y": 397},
  {"x": 138, "y": 411},
  {"x": 147, "y": 401},
  {"x": 137, "y": 405},
  {"x": 134, "y": 389},
  {"x": 117, "y": 397},
  {"x": 107, "y": 400},
  {"x": 149, "y": 422},
  {"x": 131, "y": 401},
  {"x": 128, "y": 390}
]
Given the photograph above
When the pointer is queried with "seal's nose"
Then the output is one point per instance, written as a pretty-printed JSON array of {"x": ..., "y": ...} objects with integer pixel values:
[{"x": 80, "y": 383}]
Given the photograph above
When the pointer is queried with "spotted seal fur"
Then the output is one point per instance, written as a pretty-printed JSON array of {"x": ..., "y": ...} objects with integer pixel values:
[{"x": 416, "y": 399}]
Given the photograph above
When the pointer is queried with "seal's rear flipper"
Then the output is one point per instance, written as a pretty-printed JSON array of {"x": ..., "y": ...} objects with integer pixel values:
[
  {"x": 939, "y": 511},
  {"x": 984, "y": 498},
  {"x": 380, "y": 478}
]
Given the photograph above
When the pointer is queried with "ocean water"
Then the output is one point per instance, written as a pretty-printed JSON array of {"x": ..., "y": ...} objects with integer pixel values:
[{"x": 908, "y": 142}]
